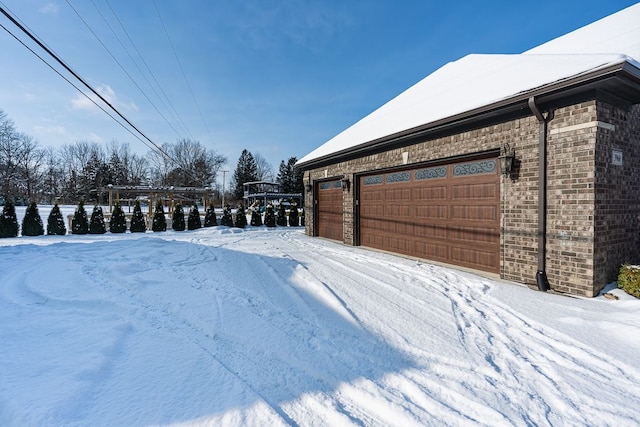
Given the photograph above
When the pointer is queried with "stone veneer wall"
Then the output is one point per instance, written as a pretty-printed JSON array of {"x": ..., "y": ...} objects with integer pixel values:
[{"x": 571, "y": 192}]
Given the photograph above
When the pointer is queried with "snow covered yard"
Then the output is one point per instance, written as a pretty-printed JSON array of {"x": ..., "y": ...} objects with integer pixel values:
[{"x": 224, "y": 326}]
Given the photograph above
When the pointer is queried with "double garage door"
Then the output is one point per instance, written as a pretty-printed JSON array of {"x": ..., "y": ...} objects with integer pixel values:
[{"x": 448, "y": 213}]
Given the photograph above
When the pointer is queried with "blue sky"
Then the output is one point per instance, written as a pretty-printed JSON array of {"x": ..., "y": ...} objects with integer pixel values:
[{"x": 278, "y": 78}]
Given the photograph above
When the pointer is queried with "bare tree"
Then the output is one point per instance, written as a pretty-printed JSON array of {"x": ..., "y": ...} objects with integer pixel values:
[
  {"x": 30, "y": 165},
  {"x": 75, "y": 158},
  {"x": 138, "y": 170},
  {"x": 189, "y": 164},
  {"x": 160, "y": 164},
  {"x": 20, "y": 162},
  {"x": 9, "y": 156},
  {"x": 264, "y": 168}
]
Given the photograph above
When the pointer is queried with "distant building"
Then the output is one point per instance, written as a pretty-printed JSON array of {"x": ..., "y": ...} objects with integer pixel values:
[
  {"x": 266, "y": 192},
  {"x": 422, "y": 175}
]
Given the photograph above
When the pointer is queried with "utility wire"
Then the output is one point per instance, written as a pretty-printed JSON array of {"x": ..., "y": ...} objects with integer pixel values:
[
  {"x": 184, "y": 75},
  {"x": 135, "y": 47},
  {"x": 176, "y": 116},
  {"x": 72, "y": 84},
  {"x": 81, "y": 80},
  {"x": 119, "y": 63},
  {"x": 140, "y": 135}
]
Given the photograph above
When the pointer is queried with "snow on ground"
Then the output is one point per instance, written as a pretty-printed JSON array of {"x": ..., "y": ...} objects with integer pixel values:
[{"x": 228, "y": 327}]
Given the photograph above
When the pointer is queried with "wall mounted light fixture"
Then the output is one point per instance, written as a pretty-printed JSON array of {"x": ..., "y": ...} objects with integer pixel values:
[
  {"x": 308, "y": 187},
  {"x": 346, "y": 184},
  {"x": 507, "y": 160}
]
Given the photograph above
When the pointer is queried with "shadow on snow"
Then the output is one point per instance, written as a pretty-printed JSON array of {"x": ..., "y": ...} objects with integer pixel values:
[{"x": 151, "y": 331}]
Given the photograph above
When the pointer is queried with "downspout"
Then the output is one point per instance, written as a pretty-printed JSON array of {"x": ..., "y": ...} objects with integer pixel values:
[{"x": 541, "y": 274}]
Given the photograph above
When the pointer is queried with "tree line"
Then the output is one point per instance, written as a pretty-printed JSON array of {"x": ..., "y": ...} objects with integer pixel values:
[{"x": 77, "y": 171}]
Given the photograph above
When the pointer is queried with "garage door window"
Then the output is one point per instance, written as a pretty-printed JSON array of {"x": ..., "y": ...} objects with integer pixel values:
[
  {"x": 475, "y": 168},
  {"x": 393, "y": 178},
  {"x": 431, "y": 173},
  {"x": 373, "y": 180}
]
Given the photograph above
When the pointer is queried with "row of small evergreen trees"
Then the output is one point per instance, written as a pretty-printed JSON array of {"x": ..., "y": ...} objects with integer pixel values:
[{"x": 81, "y": 224}]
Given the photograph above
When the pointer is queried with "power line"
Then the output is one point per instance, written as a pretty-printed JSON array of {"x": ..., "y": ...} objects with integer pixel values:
[
  {"x": 159, "y": 86},
  {"x": 72, "y": 84},
  {"x": 176, "y": 115},
  {"x": 184, "y": 75},
  {"x": 141, "y": 136},
  {"x": 79, "y": 78},
  {"x": 118, "y": 62}
]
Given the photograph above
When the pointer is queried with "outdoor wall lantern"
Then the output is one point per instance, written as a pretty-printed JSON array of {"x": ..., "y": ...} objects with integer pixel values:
[
  {"x": 308, "y": 187},
  {"x": 345, "y": 184},
  {"x": 507, "y": 159}
]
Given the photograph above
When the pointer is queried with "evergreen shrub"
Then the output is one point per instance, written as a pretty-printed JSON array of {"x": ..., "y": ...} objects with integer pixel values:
[
  {"x": 227, "y": 219},
  {"x": 80, "y": 223},
  {"x": 32, "y": 223},
  {"x": 159, "y": 221},
  {"x": 241, "y": 217},
  {"x": 177, "y": 220},
  {"x": 8, "y": 220},
  {"x": 210, "y": 217},
  {"x": 294, "y": 220},
  {"x": 193, "y": 221},
  {"x": 281, "y": 219},
  {"x": 269, "y": 216},
  {"x": 629, "y": 279},
  {"x": 302, "y": 216},
  {"x": 96, "y": 224},
  {"x": 55, "y": 222},
  {"x": 118, "y": 221},
  {"x": 256, "y": 217},
  {"x": 138, "y": 224}
]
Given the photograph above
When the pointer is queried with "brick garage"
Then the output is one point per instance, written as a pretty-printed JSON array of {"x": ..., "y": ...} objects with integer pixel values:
[{"x": 576, "y": 223}]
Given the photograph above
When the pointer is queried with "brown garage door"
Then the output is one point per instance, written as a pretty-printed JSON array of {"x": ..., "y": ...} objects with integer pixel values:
[
  {"x": 447, "y": 213},
  {"x": 329, "y": 210}
]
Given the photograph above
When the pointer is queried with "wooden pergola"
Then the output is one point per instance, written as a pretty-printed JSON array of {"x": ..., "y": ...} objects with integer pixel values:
[{"x": 169, "y": 195}]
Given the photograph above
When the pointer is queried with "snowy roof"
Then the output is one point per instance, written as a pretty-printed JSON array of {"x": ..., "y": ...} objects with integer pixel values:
[{"x": 476, "y": 81}]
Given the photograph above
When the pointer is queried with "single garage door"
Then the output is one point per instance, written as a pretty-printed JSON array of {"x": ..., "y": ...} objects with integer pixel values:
[
  {"x": 448, "y": 213},
  {"x": 329, "y": 210}
]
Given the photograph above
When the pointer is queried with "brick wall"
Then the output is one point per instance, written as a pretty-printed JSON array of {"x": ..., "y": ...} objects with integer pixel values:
[
  {"x": 617, "y": 191},
  {"x": 571, "y": 195},
  {"x": 519, "y": 208}
]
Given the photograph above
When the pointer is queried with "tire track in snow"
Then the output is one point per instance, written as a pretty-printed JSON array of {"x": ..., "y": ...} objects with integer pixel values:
[
  {"x": 517, "y": 347},
  {"x": 352, "y": 275},
  {"x": 551, "y": 370},
  {"x": 300, "y": 319}
]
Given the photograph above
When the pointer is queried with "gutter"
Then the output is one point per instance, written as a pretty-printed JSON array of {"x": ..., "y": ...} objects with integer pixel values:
[{"x": 541, "y": 274}]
